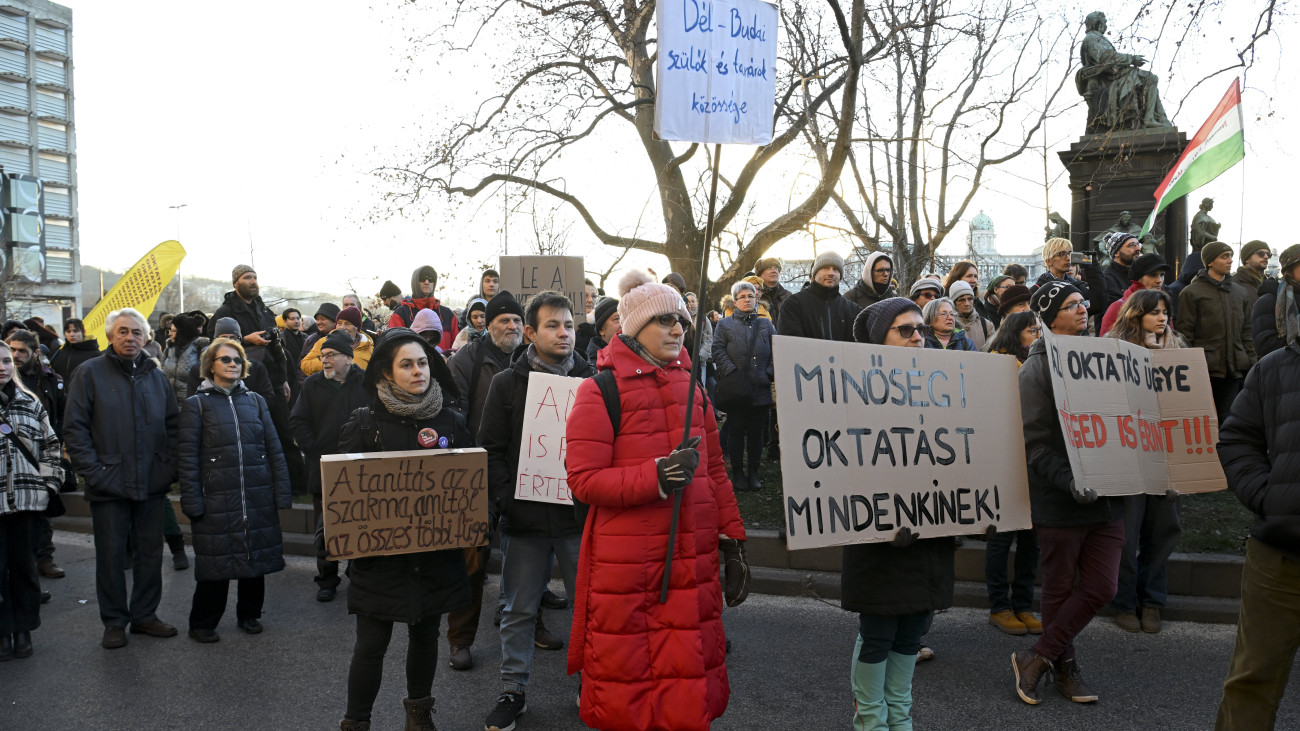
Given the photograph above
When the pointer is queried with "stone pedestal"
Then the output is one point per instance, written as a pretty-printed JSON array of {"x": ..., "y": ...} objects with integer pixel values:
[{"x": 1120, "y": 171}]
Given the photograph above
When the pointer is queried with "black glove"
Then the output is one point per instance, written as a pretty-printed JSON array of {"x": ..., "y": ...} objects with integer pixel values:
[
  {"x": 903, "y": 538},
  {"x": 1172, "y": 495},
  {"x": 991, "y": 531},
  {"x": 678, "y": 469},
  {"x": 1086, "y": 497},
  {"x": 735, "y": 588}
]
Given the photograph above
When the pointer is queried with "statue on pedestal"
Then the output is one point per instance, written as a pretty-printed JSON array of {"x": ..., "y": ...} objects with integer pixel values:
[
  {"x": 1204, "y": 228},
  {"x": 1058, "y": 227},
  {"x": 1120, "y": 95}
]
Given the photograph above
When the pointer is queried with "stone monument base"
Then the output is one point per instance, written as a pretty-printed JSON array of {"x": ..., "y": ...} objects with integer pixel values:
[{"x": 1120, "y": 171}]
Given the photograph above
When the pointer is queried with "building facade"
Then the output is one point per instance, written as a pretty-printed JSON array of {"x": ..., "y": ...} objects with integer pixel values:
[{"x": 41, "y": 271}]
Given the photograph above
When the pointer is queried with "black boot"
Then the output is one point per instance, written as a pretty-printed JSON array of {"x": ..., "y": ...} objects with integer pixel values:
[
  {"x": 6, "y": 647},
  {"x": 180, "y": 561},
  {"x": 22, "y": 644}
]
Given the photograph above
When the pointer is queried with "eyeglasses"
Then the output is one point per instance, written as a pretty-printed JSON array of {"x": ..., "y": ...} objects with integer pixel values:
[
  {"x": 907, "y": 331},
  {"x": 668, "y": 320},
  {"x": 1034, "y": 330},
  {"x": 323, "y": 356},
  {"x": 1071, "y": 308},
  {"x": 228, "y": 359}
]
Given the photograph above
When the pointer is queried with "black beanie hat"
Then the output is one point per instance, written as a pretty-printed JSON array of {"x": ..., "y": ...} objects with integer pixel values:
[
  {"x": 338, "y": 340},
  {"x": 605, "y": 307},
  {"x": 187, "y": 327},
  {"x": 389, "y": 290},
  {"x": 873, "y": 323},
  {"x": 1250, "y": 247},
  {"x": 329, "y": 309},
  {"x": 1047, "y": 300},
  {"x": 503, "y": 303},
  {"x": 1147, "y": 264}
]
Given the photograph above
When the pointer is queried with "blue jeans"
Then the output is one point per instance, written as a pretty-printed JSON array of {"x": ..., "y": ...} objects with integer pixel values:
[
  {"x": 1151, "y": 529},
  {"x": 525, "y": 559},
  {"x": 1016, "y": 595},
  {"x": 139, "y": 522}
]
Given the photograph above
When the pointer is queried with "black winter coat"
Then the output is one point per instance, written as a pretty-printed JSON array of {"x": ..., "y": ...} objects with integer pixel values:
[
  {"x": 1259, "y": 447},
  {"x": 499, "y": 433},
  {"x": 257, "y": 381},
  {"x": 66, "y": 359},
  {"x": 881, "y": 580},
  {"x": 598, "y": 344},
  {"x": 818, "y": 312},
  {"x": 1050, "y": 500},
  {"x": 407, "y": 587},
  {"x": 472, "y": 368},
  {"x": 120, "y": 428},
  {"x": 233, "y": 480},
  {"x": 1263, "y": 319},
  {"x": 319, "y": 414},
  {"x": 742, "y": 351},
  {"x": 254, "y": 317},
  {"x": 864, "y": 294},
  {"x": 1116, "y": 278},
  {"x": 774, "y": 297}
]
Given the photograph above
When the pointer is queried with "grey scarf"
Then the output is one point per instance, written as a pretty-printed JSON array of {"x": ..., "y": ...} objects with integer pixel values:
[
  {"x": 416, "y": 406},
  {"x": 640, "y": 350},
  {"x": 539, "y": 364},
  {"x": 1285, "y": 312}
]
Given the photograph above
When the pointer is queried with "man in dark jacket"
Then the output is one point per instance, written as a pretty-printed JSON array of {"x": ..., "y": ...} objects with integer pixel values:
[
  {"x": 328, "y": 398},
  {"x": 774, "y": 294},
  {"x": 1122, "y": 248},
  {"x": 1273, "y": 327},
  {"x": 1254, "y": 261},
  {"x": 819, "y": 311},
  {"x": 531, "y": 531},
  {"x": 424, "y": 282},
  {"x": 1057, "y": 256},
  {"x": 261, "y": 335},
  {"x": 120, "y": 431},
  {"x": 876, "y": 282},
  {"x": 1213, "y": 314},
  {"x": 76, "y": 349},
  {"x": 1078, "y": 532},
  {"x": 1259, "y": 447}
]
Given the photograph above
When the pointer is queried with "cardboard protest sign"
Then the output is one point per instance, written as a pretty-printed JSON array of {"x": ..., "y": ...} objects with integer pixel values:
[
  {"x": 386, "y": 503},
  {"x": 875, "y": 438},
  {"x": 1122, "y": 410},
  {"x": 716, "y": 70},
  {"x": 525, "y": 276},
  {"x": 542, "y": 475}
]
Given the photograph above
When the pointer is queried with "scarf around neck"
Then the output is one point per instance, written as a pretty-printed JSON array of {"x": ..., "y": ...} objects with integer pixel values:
[
  {"x": 416, "y": 406},
  {"x": 1285, "y": 312},
  {"x": 537, "y": 363},
  {"x": 640, "y": 350}
]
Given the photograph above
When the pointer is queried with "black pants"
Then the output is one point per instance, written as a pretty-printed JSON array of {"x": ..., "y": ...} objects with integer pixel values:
[
  {"x": 367, "y": 670},
  {"x": 210, "y": 601},
  {"x": 44, "y": 540},
  {"x": 20, "y": 589},
  {"x": 748, "y": 428},
  {"x": 139, "y": 523},
  {"x": 327, "y": 571},
  {"x": 1225, "y": 391},
  {"x": 1016, "y": 594}
]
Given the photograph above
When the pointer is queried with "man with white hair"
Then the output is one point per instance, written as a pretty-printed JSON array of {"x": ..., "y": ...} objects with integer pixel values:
[{"x": 119, "y": 429}]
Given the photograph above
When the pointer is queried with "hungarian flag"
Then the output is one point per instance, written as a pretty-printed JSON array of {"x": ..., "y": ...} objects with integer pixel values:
[{"x": 1217, "y": 146}]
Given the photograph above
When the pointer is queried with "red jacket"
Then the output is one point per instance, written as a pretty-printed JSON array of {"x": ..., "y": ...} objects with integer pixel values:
[
  {"x": 1112, "y": 312},
  {"x": 647, "y": 665},
  {"x": 405, "y": 314}
]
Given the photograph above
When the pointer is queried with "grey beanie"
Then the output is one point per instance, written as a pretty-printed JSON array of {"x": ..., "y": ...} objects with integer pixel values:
[
  {"x": 227, "y": 326},
  {"x": 873, "y": 323},
  {"x": 921, "y": 285},
  {"x": 827, "y": 259}
]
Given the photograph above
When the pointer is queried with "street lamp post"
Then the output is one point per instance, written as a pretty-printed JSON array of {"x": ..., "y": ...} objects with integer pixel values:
[{"x": 180, "y": 278}]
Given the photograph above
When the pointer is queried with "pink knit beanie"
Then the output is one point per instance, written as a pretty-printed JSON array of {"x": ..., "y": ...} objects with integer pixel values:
[{"x": 641, "y": 298}]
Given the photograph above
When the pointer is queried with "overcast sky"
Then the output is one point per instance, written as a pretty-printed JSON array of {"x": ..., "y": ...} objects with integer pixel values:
[{"x": 265, "y": 118}]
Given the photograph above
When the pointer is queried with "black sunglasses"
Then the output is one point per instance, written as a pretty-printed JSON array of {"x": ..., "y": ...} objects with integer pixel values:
[
  {"x": 228, "y": 359},
  {"x": 907, "y": 330},
  {"x": 669, "y": 319}
]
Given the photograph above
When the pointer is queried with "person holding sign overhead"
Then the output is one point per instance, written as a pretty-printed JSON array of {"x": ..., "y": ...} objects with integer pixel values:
[
  {"x": 647, "y": 665},
  {"x": 1079, "y": 533},
  {"x": 409, "y": 387},
  {"x": 894, "y": 587}
]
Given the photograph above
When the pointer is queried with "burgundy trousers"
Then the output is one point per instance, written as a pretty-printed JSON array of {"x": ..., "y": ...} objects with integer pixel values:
[{"x": 1092, "y": 552}]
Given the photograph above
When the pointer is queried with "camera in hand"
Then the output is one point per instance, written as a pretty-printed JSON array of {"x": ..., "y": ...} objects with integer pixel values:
[{"x": 1085, "y": 257}]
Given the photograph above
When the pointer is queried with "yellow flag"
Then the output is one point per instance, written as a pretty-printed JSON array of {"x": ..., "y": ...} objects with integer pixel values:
[{"x": 139, "y": 288}]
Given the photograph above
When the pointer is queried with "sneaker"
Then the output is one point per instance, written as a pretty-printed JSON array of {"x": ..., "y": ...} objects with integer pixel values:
[
  {"x": 544, "y": 639},
  {"x": 1128, "y": 622},
  {"x": 461, "y": 658},
  {"x": 1007, "y": 621},
  {"x": 114, "y": 637},
  {"x": 154, "y": 628},
  {"x": 50, "y": 570},
  {"x": 510, "y": 706},
  {"x": 251, "y": 626},
  {"x": 205, "y": 636},
  {"x": 1028, "y": 667},
  {"x": 551, "y": 601},
  {"x": 1069, "y": 682},
  {"x": 925, "y": 653},
  {"x": 1031, "y": 622},
  {"x": 1150, "y": 620}
]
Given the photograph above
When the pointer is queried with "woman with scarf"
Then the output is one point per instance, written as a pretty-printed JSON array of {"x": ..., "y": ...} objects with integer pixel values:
[
  {"x": 24, "y": 494},
  {"x": 409, "y": 383},
  {"x": 1151, "y": 522}
]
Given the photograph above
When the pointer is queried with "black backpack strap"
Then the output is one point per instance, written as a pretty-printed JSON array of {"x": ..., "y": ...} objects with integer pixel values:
[{"x": 609, "y": 391}]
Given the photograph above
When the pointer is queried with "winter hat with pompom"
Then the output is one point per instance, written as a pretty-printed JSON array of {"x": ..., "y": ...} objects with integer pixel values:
[{"x": 641, "y": 298}]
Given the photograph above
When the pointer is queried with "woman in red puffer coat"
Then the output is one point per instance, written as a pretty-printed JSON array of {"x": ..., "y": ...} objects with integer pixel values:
[{"x": 645, "y": 665}]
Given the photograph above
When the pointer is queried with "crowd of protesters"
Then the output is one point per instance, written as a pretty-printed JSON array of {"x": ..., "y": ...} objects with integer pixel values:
[{"x": 239, "y": 406}]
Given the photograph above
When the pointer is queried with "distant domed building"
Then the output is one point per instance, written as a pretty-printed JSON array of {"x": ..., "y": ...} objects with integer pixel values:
[
  {"x": 980, "y": 237},
  {"x": 981, "y": 248}
]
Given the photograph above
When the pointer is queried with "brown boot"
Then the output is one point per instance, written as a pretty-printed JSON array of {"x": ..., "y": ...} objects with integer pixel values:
[
  {"x": 419, "y": 714},
  {"x": 1069, "y": 682},
  {"x": 1150, "y": 620},
  {"x": 346, "y": 725},
  {"x": 1029, "y": 667}
]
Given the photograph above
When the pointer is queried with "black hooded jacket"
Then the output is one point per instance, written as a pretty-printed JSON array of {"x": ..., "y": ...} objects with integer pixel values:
[{"x": 818, "y": 312}]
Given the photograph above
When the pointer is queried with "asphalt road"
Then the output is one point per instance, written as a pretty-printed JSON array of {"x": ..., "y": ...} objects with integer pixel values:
[{"x": 789, "y": 669}]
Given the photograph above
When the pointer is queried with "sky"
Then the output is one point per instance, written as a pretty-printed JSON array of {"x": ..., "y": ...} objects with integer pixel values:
[{"x": 266, "y": 119}]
